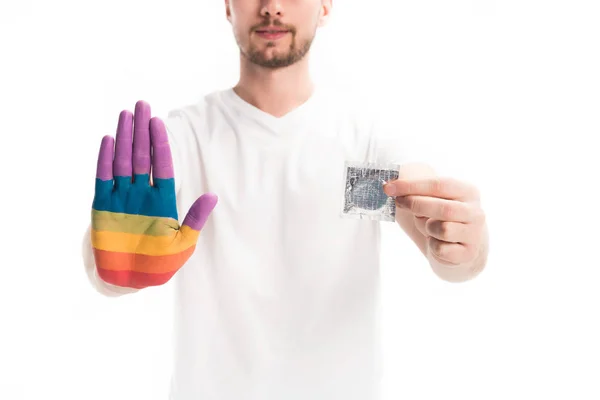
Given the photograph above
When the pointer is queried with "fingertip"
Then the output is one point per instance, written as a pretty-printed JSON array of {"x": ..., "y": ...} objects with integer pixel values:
[
  {"x": 389, "y": 189},
  {"x": 207, "y": 202},
  {"x": 209, "y": 198},
  {"x": 107, "y": 140},
  {"x": 157, "y": 127},
  {"x": 142, "y": 116},
  {"x": 125, "y": 118},
  {"x": 200, "y": 211},
  {"x": 124, "y": 114},
  {"x": 142, "y": 105}
]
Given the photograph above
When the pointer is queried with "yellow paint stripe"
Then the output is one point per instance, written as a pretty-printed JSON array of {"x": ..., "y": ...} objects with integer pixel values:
[{"x": 145, "y": 244}]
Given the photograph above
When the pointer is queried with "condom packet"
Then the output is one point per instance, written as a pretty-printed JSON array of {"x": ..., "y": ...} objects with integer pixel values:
[{"x": 364, "y": 197}]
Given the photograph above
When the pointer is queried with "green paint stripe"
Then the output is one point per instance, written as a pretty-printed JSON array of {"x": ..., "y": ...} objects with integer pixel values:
[{"x": 133, "y": 223}]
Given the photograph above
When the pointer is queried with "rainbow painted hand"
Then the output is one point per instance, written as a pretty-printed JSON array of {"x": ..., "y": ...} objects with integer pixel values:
[{"x": 136, "y": 237}]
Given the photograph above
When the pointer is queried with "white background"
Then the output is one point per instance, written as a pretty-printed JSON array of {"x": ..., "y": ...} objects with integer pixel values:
[{"x": 505, "y": 94}]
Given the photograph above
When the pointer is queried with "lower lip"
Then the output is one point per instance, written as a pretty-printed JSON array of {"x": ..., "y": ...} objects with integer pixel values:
[{"x": 271, "y": 36}]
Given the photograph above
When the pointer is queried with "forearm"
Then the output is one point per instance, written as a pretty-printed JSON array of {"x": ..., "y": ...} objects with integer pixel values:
[{"x": 466, "y": 271}]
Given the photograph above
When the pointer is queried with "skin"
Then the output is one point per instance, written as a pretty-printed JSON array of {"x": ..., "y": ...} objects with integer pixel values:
[
  {"x": 136, "y": 238},
  {"x": 140, "y": 147},
  {"x": 442, "y": 216},
  {"x": 274, "y": 74}
]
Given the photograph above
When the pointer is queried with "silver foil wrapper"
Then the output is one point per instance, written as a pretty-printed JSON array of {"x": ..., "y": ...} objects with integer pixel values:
[{"x": 364, "y": 197}]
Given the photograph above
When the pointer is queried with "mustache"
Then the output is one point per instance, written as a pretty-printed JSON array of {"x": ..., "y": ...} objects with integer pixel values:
[{"x": 275, "y": 22}]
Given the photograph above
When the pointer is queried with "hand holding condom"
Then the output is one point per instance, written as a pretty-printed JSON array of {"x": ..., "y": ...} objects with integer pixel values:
[{"x": 447, "y": 211}]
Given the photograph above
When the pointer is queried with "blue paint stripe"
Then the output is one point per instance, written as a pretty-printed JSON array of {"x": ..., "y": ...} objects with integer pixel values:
[{"x": 123, "y": 196}]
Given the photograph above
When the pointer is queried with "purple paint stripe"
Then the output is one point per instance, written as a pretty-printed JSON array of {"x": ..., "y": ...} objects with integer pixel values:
[
  {"x": 141, "y": 138},
  {"x": 122, "y": 165},
  {"x": 105, "y": 159},
  {"x": 162, "y": 160}
]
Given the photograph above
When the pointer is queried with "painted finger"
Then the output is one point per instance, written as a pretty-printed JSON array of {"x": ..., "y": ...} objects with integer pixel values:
[
  {"x": 162, "y": 160},
  {"x": 104, "y": 167},
  {"x": 141, "y": 143},
  {"x": 104, "y": 172},
  {"x": 123, "y": 145},
  {"x": 200, "y": 211}
]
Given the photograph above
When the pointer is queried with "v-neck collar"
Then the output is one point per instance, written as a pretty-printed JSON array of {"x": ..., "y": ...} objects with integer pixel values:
[{"x": 270, "y": 121}]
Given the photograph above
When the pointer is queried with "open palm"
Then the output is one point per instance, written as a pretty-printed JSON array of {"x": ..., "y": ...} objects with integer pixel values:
[{"x": 136, "y": 236}]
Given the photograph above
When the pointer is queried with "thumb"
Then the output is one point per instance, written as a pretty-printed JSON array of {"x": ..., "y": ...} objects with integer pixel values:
[{"x": 200, "y": 210}]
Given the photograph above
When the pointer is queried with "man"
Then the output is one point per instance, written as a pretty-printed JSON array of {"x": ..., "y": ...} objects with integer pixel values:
[{"x": 276, "y": 292}]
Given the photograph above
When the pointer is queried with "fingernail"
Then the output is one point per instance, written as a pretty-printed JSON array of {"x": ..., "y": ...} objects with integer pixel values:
[{"x": 389, "y": 189}]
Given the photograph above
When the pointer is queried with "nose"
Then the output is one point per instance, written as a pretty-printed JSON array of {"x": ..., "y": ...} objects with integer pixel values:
[{"x": 271, "y": 8}]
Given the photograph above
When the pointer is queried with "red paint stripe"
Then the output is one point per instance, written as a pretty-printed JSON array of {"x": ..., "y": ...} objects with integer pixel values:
[{"x": 137, "y": 280}]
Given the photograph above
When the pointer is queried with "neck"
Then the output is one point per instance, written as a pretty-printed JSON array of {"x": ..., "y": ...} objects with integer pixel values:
[{"x": 275, "y": 91}]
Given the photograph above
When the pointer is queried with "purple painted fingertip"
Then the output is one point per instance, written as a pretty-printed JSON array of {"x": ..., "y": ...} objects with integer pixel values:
[
  {"x": 104, "y": 169},
  {"x": 200, "y": 211}
]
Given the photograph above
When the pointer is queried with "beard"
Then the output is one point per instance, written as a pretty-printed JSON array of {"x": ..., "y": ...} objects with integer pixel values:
[
  {"x": 294, "y": 54},
  {"x": 280, "y": 59}
]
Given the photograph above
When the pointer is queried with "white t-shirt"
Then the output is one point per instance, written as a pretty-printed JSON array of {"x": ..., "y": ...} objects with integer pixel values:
[{"x": 280, "y": 300}]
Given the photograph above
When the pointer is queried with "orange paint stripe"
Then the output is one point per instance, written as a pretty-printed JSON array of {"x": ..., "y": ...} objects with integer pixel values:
[
  {"x": 150, "y": 245},
  {"x": 115, "y": 261}
]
